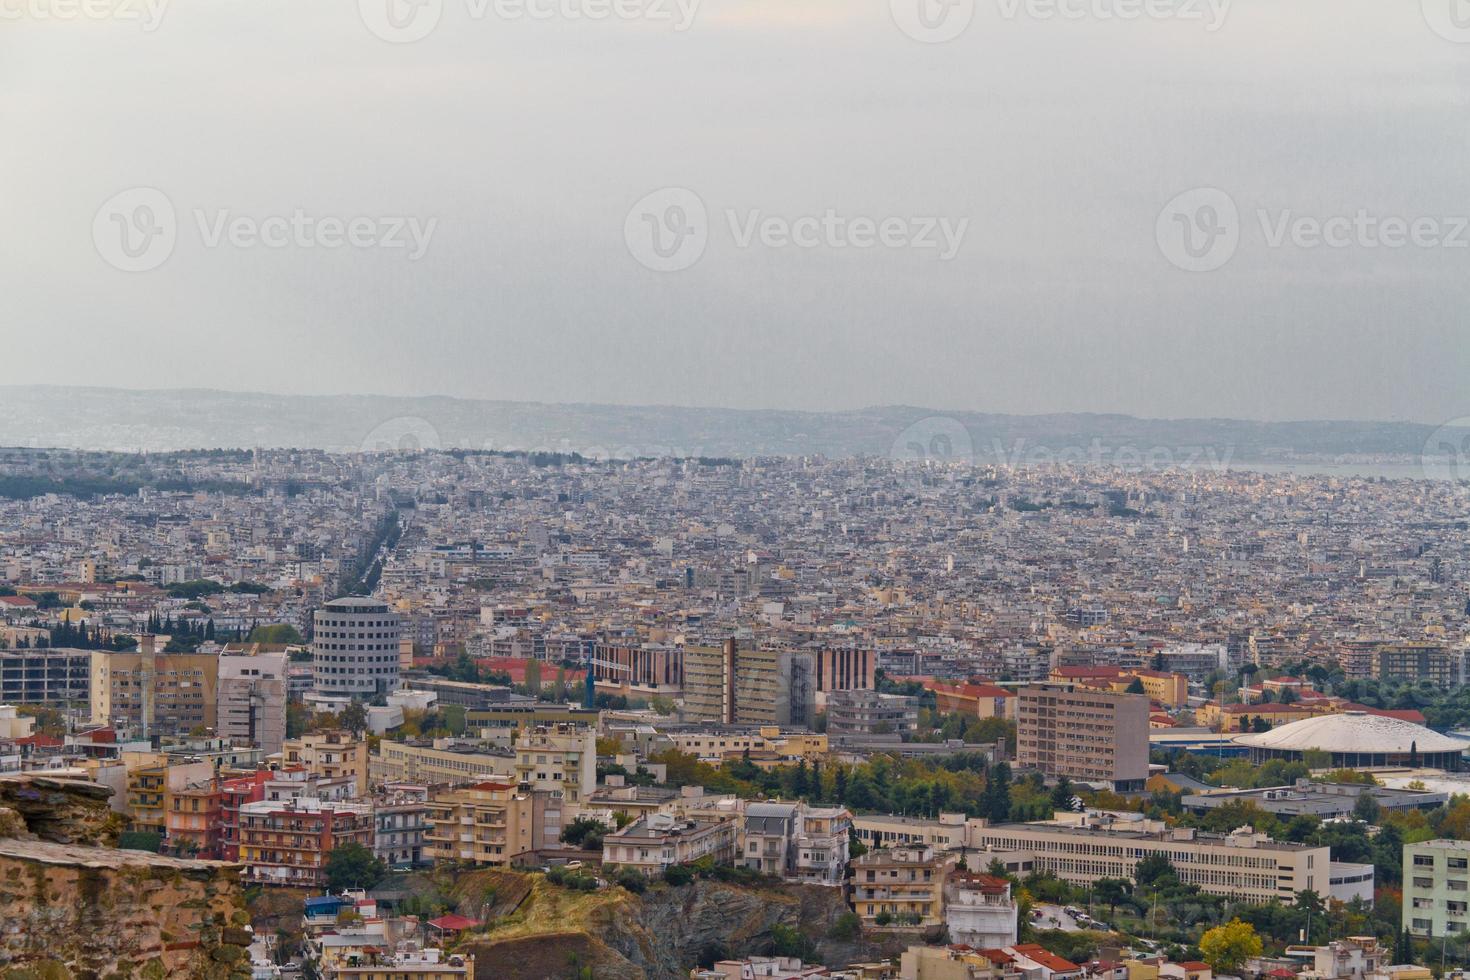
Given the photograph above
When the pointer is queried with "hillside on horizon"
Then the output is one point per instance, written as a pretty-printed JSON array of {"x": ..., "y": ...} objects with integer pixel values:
[{"x": 119, "y": 419}]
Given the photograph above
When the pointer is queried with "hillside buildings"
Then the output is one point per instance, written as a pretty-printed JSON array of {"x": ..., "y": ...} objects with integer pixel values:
[
  {"x": 901, "y": 884},
  {"x": 653, "y": 843},
  {"x": 491, "y": 824},
  {"x": 287, "y": 842},
  {"x": 979, "y": 910}
]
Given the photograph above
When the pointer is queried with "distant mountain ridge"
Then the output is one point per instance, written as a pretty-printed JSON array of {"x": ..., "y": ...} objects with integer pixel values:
[{"x": 166, "y": 420}]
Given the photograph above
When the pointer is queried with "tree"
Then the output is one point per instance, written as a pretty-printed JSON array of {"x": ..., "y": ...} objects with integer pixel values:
[
  {"x": 1366, "y": 809},
  {"x": 995, "y": 802},
  {"x": 847, "y": 927},
  {"x": 353, "y": 866},
  {"x": 1061, "y": 794},
  {"x": 354, "y": 717},
  {"x": 632, "y": 880},
  {"x": 1135, "y": 687},
  {"x": 799, "y": 781},
  {"x": 276, "y": 633},
  {"x": 533, "y": 677},
  {"x": 1154, "y": 871},
  {"x": 1317, "y": 759},
  {"x": 1227, "y": 947},
  {"x": 584, "y": 832},
  {"x": 1112, "y": 891},
  {"x": 1403, "y": 947}
]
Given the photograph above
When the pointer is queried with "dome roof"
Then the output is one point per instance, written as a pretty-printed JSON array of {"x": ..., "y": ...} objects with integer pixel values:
[{"x": 1353, "y": 731}]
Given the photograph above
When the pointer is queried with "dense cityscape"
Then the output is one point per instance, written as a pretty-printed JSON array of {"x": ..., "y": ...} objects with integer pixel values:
[{"x": 451, "y": 714}]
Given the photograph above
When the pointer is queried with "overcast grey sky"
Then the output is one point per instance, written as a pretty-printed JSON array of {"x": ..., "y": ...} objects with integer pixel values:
[{"x": 512, "y": 152}]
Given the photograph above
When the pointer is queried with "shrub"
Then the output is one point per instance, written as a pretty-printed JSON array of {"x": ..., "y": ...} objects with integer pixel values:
[
  {"x": 678, "y": 874},
  {"x": 847, "y": 927}
]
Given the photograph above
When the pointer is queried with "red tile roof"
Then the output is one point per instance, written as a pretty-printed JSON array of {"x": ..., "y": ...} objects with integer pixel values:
[
  {"x": 453, "y": 923},
  {"x": 1046, "y": 958}
]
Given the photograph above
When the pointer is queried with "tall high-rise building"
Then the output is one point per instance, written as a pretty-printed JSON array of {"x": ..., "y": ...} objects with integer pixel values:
[
  {"x": 1086, "y": 735},
  {"x": 354, "y": 647},
  {"x": 154, "y": 694},
  {"x": 728, "y": 685},
  {"x": 251, "y": 698}
]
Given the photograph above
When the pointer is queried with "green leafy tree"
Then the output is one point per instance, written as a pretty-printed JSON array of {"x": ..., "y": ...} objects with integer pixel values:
[
  {"x": 584, "y": 832},
  {"x": 996, "y": 802},
  {"x": 353, "y": 866},
  {"x": 1112, "y": 891},
  {"x": 1155, "y": 871}
]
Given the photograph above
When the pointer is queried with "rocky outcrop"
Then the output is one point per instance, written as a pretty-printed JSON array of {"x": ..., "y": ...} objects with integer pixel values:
[
  {"x": 66, "y": 811},
  {"x": 92, "y": 912},
  {"x": 70, "y": 909},
  {"x": 663, "y": 933}
]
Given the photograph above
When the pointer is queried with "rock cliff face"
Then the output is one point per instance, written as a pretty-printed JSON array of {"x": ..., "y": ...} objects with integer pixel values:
[
  {"x": 69, "y": 909},
  {"x": 65, "y": 811},
  {"x": 663, "y": 933}
]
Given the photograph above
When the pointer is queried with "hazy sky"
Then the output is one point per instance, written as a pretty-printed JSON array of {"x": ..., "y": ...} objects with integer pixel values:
[{"x": 860, "y": 215}]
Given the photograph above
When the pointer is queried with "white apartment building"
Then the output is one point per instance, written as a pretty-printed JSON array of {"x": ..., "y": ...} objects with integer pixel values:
[{"x": 979, "y": 910}]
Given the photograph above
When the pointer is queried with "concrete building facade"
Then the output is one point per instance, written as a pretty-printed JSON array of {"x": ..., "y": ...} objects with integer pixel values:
[
  {"x": 354, "y": 647},
  {"x": 1090, "y": 736}
]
